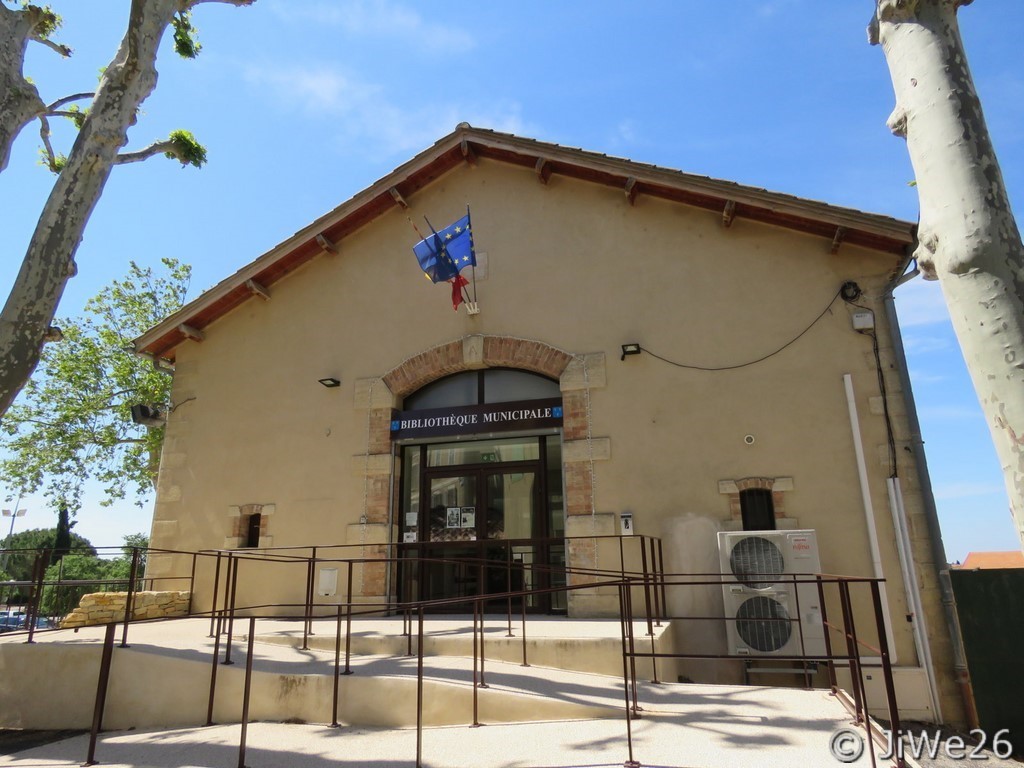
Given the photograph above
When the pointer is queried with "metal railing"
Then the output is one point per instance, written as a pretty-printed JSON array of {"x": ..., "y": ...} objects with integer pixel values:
[{"x": 642, "y": 598}]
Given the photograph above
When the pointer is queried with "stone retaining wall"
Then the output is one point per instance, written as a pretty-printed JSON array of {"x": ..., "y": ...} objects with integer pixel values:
[{"x": 105, "y": 607}]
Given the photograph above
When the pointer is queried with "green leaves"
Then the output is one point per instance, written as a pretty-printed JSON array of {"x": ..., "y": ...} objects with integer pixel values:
[
  {"x": 45, "y": 20},
  {"x": 187, "y": 149},
  {"x": 186, "y": 42},
  {"x": 72, "y": 422}
]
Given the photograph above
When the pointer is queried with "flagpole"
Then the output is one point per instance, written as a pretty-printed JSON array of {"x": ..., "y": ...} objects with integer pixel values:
[
  {"x": 462, "y": 289},
  {"x": 472, "y": 250}
]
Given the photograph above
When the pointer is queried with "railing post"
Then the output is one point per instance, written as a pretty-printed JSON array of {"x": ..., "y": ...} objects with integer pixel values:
[
  {"x": 216, "y": 589},
  {"x": 191, "y": 584},
  {"x": 508, "y": 586},
  {"x": 647, "y": 585},
  {"x": 213, "y": 669},
  {"x": 800, "y": 628},
  {"x": 632, "y": 647},
  {"x": 654, "y": 583},
  {"x": 36, "y": 598},
  {"x": 483, "y": 656},
  {"x": 523, "y": 597},
  {"x": 476, "y": 616},
  {"x": 337, "y": 670},
  {"x": 890, "y": 689},
  {"x": 101, "y": 692},
  {"x": 307, "y": 620},
  {"x": 833, "y": 683},
  {"x": 129, "y": 598},
  {"x": 348, "y": 623},
  {"x": 419, "y": 694},
  {"x": 661, "y": 573},
  {"x": 851, "y": 648},
  {"x": 245, "y": 692},
  {"x": 623, "y": 619},
  {"x": 231, "y": 587}
]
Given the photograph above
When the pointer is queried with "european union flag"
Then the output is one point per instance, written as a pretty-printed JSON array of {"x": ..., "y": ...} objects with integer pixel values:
[{"x": 442, "y": 255}]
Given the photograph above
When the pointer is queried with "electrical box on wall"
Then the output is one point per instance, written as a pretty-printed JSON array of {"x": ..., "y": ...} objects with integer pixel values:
[
  {"x": 626, "y": 523},
  {"x": 863, "y": 321},
  {"x": 327, "y": 584}
]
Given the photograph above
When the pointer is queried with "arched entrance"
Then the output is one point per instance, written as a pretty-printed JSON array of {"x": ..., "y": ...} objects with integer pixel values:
[
  {"x": 382, "y": 469},
  {"x": 481, "y": 508}
]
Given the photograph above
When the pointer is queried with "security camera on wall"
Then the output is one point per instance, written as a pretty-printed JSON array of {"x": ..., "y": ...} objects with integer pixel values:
[{"x": 148, "y": 416}]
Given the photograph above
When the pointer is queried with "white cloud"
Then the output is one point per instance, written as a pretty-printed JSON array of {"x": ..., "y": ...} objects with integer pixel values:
[
  {"x": 362, "y": 112},
  {"x": 939, "y": 413},
  {"x": 966, "y": 490},
  {"x": 920, "y": 302},
  {"x": 626, "y": 131},
  {"x": 766, "y": 10},
  {"x": 927, "y": 378},
  {"x": 380, "y": 19},
  {"x": 921, "y": 344}
]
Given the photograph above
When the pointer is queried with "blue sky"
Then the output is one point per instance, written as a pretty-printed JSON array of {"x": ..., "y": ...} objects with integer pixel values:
[{"x": 302, "y": 103}]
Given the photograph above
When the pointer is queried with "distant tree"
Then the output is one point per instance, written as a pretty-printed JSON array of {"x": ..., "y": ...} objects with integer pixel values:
[
  {"x": 62, "y": 541},
  {"x": 60, "y": 599},
  {"x": 22, "y": 550},
  {"x": 968, "y": 236},
  {"x": 129, "y": 78},
  {"x": 73, "y": 421},
  {"x": 100, "y": 575}
]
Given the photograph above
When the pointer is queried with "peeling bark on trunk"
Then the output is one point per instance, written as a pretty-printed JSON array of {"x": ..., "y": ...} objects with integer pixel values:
[
  {"x": 128, "y": 80},
  {"x": 968, "y": 238},
  {"x": 19, "y": 99}
]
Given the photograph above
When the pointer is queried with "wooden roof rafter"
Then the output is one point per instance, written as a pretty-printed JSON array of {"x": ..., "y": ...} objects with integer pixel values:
[{"x": 468, "y": 145}]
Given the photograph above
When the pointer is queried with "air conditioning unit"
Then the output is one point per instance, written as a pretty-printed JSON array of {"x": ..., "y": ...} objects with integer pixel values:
[{"x": 767, "y": 614}]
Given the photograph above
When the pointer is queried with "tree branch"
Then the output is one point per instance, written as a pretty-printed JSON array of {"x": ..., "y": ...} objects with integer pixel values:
[
  {"x": 63, "y": 50},
  {"x": 44, "y": 134},
  {"x": 67, "y": 99},
  {"x": 156, "y": 148},
  {"x": 237, "y": 3}
]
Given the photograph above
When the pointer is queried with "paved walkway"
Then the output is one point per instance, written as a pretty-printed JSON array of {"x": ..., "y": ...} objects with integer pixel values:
[{"x": 684, "y": 726}]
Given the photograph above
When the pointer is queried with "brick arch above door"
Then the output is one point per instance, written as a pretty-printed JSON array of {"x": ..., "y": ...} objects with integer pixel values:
[
  {"x": 577, "y": 375},
  {"x": 475, "y": 352}
]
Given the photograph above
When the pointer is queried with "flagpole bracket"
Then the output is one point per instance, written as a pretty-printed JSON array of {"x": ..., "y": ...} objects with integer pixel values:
[{"x": 472, "y": 308}]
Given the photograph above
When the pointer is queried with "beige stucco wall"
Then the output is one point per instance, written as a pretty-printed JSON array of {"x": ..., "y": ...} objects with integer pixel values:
[{"x": 572, "y": 265}]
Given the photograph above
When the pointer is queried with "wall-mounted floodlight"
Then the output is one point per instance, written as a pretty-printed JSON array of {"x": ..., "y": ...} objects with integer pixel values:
[
  {"x": 330, "y": 382},
  {"x": 630, "y": 349}
]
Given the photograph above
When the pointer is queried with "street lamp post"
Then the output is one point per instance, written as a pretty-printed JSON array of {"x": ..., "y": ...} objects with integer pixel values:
[{"x": 14, "y": 515}]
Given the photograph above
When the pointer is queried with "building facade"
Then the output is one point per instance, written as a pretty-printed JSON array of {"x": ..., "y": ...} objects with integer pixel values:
[{"x": 654, "y": 349}]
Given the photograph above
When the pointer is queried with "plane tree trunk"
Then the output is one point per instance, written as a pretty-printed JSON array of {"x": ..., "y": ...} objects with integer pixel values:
[
  {"x": 19, "y": 98},
  {"x": 968, "y": 237},
  {"x": 49, "y": 261}
]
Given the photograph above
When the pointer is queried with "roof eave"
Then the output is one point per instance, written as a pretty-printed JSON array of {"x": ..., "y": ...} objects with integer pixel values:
[{"x": 467, "y": 144}]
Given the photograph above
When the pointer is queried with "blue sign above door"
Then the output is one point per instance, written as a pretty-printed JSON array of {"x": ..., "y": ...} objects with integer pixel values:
[{"x": 477, "y": 419}]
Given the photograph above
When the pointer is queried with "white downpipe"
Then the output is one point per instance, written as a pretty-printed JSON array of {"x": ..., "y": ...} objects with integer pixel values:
[
  {"x": 869, "y": 514},
  {"x": 924, "y": 649}
]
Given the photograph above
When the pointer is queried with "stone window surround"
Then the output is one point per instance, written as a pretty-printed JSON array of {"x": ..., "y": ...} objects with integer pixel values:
[
  {"x": 238, "y": 517},
  {"x": 777, "y": 485}
]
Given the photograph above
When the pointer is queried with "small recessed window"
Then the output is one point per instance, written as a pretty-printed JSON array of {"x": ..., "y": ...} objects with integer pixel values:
[
  {"x": 757, "y": 509},
  {"x": 252, "y": 531}
]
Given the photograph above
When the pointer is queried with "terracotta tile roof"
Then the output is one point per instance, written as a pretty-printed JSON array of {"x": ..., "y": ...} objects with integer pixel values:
[
  {"x": 1014, "y": 559},
  {"x": 466, "y": 144}
]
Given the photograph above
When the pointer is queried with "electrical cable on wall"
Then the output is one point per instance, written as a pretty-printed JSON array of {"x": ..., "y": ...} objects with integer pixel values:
[
  {"x": 760, "y": 359},
  {"x": 882, "y": 388}
]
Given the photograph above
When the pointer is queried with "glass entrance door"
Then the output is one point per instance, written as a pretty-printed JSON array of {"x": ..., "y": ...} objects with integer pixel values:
[
  {"x": 481, "y": 516},
  {"x": 480, "y": 527}
]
